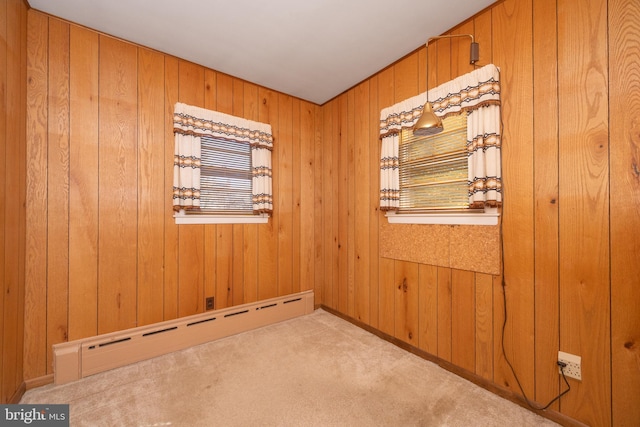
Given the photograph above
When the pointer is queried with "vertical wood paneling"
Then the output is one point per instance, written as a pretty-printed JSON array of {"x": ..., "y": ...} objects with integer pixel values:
[
  {"x": 296, "y": 196},
  {"x": 428, "y": 309},
  {"x": 210, "y": 261},
  {"x": 13, "y": 89},
  {"x": 463, "y": 346},
  {"x": 387, "y": 317},
  {"x": 343, "y": 208},
  {"x": 267, "y": 233},
  {"x": 238, "y": 229},
  {"x": 512, "y": 39},
  {"x": 36, "y": 234},
  {"x": 584, "y": 206},
  {"x": 223, "y": 255},
  {"x": 374, "y": 196},
  {"x": 407, "y": 289},
  {"x": 190, "y": 237},
  {"x": 350, "y": 203},
  {"x": 318, "y": 203},
  {"x": 307, "y": 180},
  {"x": 484, "y": 326},
  {"x": 250, "y": 232},
  {"x": 58, "y": 188},
  {"x": 328, "y": 117},
  {"x": 460, "y": 50},
  {"x": 545, "y": 86},
  {"x": 83, "y": 182},
  {"x": 285, "y": 198},
  {"x": 624, "y": 78},
  {"x": 444, "y": 313},
  {"x": 151, "y": 186},
  {"x": 362, "y": 204},
  {"x": 117, "y": 186},
  {"x": 171, "y": 230}
]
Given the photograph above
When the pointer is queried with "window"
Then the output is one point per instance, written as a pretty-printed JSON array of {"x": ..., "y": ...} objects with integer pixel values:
[
  {"x": 434, "y": 169},
  {"x": 222, "y": 168},
  {"x": 225, "y": 177}
]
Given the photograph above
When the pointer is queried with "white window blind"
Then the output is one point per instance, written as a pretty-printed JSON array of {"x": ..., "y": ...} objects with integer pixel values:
[
  {"x": 434, "y": 169},
  {"x": 225, "y": 177}
]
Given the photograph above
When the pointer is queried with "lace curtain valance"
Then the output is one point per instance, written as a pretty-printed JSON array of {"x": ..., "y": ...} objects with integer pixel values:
[
  {"x": 478, "y": 95},
  {"x": 190, "y": 123}
]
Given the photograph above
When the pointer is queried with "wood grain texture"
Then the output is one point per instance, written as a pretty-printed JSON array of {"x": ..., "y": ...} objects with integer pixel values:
[
  {"x": 285, "y": 199},
  {"x": 407, "y": 290},
  {"x": 463, "y": 312},
  {"x": 484, "y": 336},
  {"x": 624, "y": 85},
  {"x": 210, "y": 262},
  {"x": 307, "y": 205},
  {"x": 350, "y": 203},
  {"x": 584, "y": 209},
  {"x": 83, "y": 183},
  {"x": 250, "y": 232},
  {"x": 545, "y": 86},
  {"x": 237, "y": 296},
  {"x": 362, "y": 206},
  {"x": 428, "y": 309},
  {"x": 117, "y": 185},
  {"x": 151, "y": 186},
  {"x": 512, "y": 40},
  {"x": 36, "y": 234},
  {"x": 170, "y": 229},
  {"x": 297, "y": 116},
  {"x": 343, "y": 206},
  {"x": 190, "y": 237},
  {"x": 5, "y": 382},
  {"x": 375, "y": 216},
  {"x": 444, "y": 313},
  {"x": 58, "y": 189},
  {"x": 387, "y": 291},
  {"x": 267, "y": 233}
]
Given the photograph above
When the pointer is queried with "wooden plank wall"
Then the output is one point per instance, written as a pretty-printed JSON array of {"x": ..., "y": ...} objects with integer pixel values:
[
  {"x": 571, "y": 139},
  {"x": 103, "y": 251},
  {"x": 13, "y": 88}
]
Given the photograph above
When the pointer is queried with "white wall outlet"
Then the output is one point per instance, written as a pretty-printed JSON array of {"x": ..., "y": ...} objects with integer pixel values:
[{"x": 574, "y": 365}]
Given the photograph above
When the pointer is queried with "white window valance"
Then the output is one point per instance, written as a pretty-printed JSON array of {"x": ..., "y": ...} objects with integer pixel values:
[
  {"x": 478, "y": 94},
  {"x": 190, "y": 123}
]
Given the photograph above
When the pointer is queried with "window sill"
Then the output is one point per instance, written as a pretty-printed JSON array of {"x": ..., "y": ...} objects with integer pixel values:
[
  {"x": 488, "y": 217},
  {"x": 183, "y": 218}
]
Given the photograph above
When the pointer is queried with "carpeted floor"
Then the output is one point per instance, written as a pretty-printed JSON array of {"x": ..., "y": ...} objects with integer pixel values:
[{"x": 316, "y": 370}]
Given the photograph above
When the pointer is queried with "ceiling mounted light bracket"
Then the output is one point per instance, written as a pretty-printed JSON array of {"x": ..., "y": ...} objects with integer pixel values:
[{"x": 429, "y": 123}]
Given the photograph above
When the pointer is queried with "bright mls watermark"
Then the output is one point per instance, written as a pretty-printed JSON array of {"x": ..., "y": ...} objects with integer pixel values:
[{"x": 34, "y": 415}]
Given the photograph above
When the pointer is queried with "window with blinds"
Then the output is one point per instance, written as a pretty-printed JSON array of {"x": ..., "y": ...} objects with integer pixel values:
[
  {"x": 434, "y": 169},
  {"x": 225, "y": 177}
]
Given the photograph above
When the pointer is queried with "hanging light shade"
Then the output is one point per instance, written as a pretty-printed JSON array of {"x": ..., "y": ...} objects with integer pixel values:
[{"x": 428, "y": 123}]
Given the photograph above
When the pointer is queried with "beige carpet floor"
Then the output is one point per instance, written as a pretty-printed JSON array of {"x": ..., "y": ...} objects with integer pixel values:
[{"x": 316, "y": 370}]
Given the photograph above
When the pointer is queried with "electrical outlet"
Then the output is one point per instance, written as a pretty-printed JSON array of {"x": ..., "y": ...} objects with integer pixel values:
[
  {"x": 209, "y": 303},
  {"x": 574, "y": 365}
]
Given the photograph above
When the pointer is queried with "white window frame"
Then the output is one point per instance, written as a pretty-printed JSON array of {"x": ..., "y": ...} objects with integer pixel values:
[{"x": 182, "y": 217}]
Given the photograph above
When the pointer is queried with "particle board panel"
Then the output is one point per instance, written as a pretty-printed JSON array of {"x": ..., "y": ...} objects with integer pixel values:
[
  {"x": 475, "y": 248},
  {"x": 421, "y": 243}
]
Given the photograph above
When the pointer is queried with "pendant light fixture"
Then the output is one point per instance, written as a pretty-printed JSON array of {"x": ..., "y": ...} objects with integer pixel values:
[{"x": 429, "y": 123}]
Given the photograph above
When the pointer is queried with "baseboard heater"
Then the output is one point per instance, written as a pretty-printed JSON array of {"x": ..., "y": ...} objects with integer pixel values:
[{"x": 77, "y": 359}]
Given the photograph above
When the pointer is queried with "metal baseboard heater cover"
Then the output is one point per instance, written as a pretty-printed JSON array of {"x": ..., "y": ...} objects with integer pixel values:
[{"x": 80, "y": 358}]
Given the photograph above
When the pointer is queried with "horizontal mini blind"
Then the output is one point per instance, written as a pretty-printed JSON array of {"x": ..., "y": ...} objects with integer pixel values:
[
  {"x": 434, "y": 169},
  {"x": 225, "y": 177}
]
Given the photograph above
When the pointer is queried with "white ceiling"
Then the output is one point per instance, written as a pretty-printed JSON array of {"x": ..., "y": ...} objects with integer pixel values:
[{"x": 311, "y": 49}]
